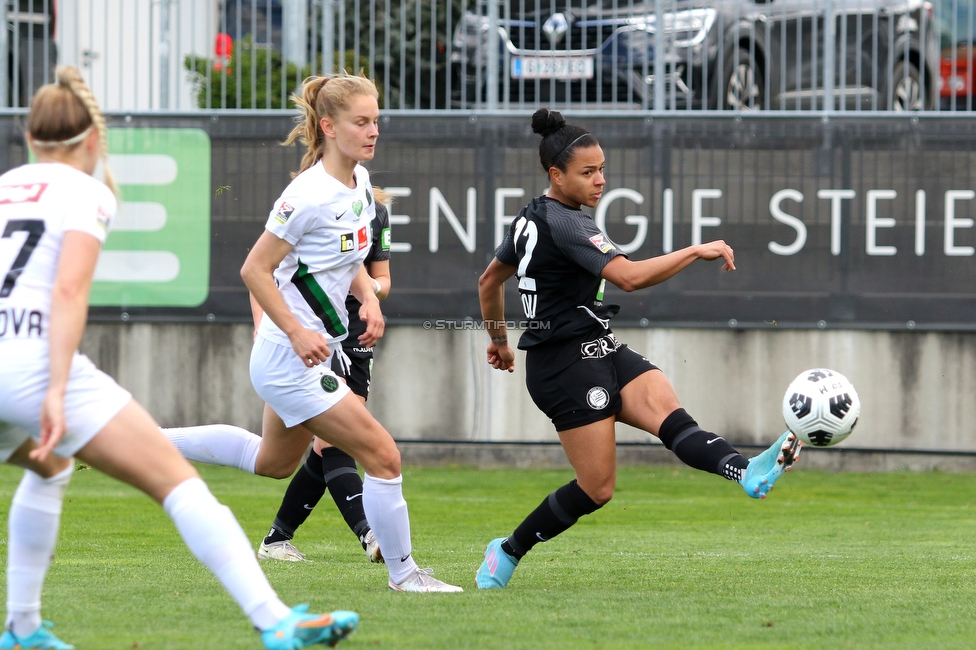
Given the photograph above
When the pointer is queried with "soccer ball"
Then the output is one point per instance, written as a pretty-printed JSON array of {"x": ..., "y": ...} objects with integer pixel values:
[{"x": 821, "y": 407}]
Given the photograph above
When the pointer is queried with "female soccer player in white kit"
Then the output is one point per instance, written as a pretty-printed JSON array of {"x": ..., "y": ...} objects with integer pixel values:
[
  {"x": 300, "y": 271},
  {"x": 54, "y": 403}
]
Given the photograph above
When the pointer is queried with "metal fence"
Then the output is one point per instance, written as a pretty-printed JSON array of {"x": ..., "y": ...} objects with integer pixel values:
[{"x": 498, "y": 55}]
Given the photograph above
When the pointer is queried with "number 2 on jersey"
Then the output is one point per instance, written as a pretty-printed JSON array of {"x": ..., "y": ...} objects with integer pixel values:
[
  {"x": 34, "y": 229},
  {"x": 530, "y": 299}
]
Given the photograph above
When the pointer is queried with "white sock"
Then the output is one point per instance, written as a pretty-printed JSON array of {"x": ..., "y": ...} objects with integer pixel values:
[
  {"x": 217, "y": 444},
  {"x": 35, "y": 516},
  {"x": 386, "y": 512},
  {"x": 213, "y": 535}
]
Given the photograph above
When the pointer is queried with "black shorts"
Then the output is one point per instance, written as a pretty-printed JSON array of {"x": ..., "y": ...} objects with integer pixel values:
[
  {"x": 361, "y": 369},
  {"x": 586, "y": 390}
]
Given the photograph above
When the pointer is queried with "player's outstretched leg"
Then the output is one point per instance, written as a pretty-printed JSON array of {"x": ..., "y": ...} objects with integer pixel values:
[
  {"x": 41, "y": 639},
  {"x": 497, "y": 568},
  {"x": 300, "y": 629},
  {"x": 767, "y": 467}
]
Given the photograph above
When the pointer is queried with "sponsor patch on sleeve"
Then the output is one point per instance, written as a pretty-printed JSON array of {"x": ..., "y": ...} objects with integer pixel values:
[
  {"x": 103, "y": 218},
  {"x": 284, "y": 211},
  {"x": 602, "y": 243},
  {"x": 385, "y": 239}
]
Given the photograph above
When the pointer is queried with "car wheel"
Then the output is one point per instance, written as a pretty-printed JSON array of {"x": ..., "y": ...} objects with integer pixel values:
[
  {"x": 744, "y": 84},
  {"x": 908, "y": 94}
]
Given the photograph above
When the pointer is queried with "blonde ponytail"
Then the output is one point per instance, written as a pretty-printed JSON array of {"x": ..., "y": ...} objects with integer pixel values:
[{"x": 70, "y": 77}]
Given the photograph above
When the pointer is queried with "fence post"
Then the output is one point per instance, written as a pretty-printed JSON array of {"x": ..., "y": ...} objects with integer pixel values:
[
  {"x": 328, "y": 38},
  {"x": 294, "y": 28},
  {"x": 829, "y": 55},
  {"x": 492, "y": 72},
  {"x": 164, "y": 54},
  {"x": 4, "y": 56},
  {"x": 659, "y": 51}
]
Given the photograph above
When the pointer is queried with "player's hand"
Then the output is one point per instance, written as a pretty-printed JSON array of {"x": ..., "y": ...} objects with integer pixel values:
[
  {"x": 371, "y": 314},
  {"x": 311, "y": 347},
  {"x": 501, "y": 357},
  {"x": 52, "y": 425},
  {"x": 716, "y": 249}
]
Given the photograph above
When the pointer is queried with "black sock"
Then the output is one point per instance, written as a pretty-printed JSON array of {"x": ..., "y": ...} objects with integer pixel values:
[
  {"x": 557, "y": 513},
  {"x": 346, "y": 488},
  {"x": 701, "y": 449},
  {"x": 304, "y": 491}
]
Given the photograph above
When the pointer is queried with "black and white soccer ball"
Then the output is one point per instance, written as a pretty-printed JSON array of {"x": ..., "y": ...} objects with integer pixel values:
[{"x": 821, "y": 407}]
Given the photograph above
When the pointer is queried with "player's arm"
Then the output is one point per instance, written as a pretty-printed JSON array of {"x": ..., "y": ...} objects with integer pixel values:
[
  {"x": 631, "y": 276},
  {"x": 379, "y": 271},
  {"x": 258, "y": 275},
  {"x": 491, "y": 294},
  {"x": 364, "y": 290},
  {"x": 69, "y": 312},
  {"x": 256, "y": 312}
]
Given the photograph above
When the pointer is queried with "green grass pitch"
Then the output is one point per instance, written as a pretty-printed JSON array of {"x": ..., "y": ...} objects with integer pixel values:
[{"x": 679, "y": 559}]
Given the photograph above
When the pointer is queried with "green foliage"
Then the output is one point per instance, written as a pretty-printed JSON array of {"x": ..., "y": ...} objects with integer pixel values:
[
  {"x": 679, "y": 559},
  {"x": 415, "y": 62},
  {"x": 264, "y": 81}
]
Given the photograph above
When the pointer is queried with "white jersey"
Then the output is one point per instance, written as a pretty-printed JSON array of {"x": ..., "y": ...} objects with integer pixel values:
[
  {"x": 328, "y": 225},
  {"x": 39, "y": 203}
]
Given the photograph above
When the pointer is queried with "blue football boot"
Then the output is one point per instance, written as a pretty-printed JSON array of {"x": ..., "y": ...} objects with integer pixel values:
[
  {"x": 497, "y": 569},
  {"x": 300, "y": 630},
  {"x": 767, "y": 467},
  {"x": 41, "y": 639}
]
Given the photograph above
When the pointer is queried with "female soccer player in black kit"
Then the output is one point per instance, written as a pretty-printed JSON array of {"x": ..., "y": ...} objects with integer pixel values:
[
  {"x": 328, "y": 466},
  {"x": 576, "y": 370}
]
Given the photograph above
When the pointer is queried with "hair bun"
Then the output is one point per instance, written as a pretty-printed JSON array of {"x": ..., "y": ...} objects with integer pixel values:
[{"x": 546, "y": 122}]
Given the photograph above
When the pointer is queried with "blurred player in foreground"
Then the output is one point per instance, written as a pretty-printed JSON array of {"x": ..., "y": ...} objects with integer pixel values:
[{"x": 55, "y": 404}]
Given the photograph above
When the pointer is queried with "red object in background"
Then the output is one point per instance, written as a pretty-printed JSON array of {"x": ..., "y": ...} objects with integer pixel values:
[
  {"x": 956, "y": 78},
  {"x": 224, "y": 50}
]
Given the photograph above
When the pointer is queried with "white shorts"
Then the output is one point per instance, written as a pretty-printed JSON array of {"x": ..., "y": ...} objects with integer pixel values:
[
  {"x": 296, "y": 392},
  {"x": 91, "y": 400}
]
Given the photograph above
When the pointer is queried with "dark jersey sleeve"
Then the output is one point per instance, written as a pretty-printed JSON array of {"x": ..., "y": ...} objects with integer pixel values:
[
  {"x": 581, "y": 241},
  {"x": 505, "y": 253},
  {"x": 379, "y": 250}
]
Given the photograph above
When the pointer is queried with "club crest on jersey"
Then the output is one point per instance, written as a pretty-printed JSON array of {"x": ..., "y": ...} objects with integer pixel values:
[
  {"x": 21, "y": 193},
  {"x": 357, "y": 207},
  {"x": 363, "y": 236},
  {"x": 281, "y": 216},
  {"x": 602, "y": 243},
  {"x": 329, "y": 383},
  {"x": 598, "y": 398},
  {"x": 347, "y": 242}
]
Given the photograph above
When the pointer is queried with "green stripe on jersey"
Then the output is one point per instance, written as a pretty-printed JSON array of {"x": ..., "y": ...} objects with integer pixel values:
[{"x": 317, "y": 299}]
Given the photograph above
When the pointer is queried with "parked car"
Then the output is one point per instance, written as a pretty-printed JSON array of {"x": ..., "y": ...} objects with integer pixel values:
[{"x": 724, "y": 54}]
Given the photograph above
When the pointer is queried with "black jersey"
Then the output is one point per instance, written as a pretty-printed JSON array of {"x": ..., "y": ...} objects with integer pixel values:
[
  {"x": 379, "y": 250},
  {"x": 559, "y": 253}
]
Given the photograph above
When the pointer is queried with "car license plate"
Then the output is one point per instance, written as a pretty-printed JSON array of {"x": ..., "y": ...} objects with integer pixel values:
[{"x": 552, "y": 67}]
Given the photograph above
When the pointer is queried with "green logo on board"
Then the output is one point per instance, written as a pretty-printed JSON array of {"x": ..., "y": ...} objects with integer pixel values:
[
  {"x": 158, "y": 251},
  {"x": 330, "y": 384}
]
